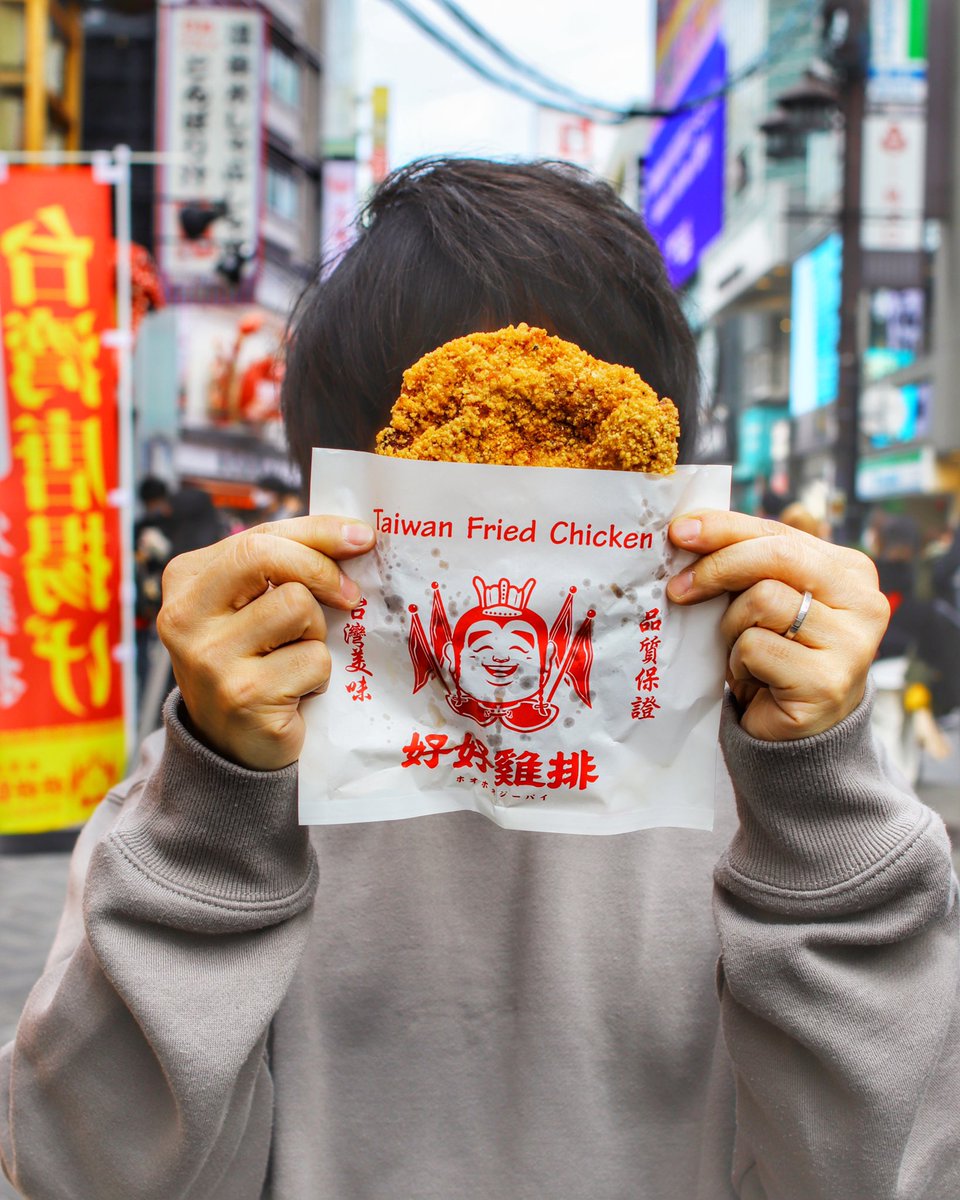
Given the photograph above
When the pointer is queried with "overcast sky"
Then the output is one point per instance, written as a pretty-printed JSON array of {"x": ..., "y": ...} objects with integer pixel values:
[{"x": 437, "y": 105}]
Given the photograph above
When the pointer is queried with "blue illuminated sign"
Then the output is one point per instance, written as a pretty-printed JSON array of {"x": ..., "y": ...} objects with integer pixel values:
[
  {"x": 684, "y": 176},
  {"x": 815, "y": 327}
]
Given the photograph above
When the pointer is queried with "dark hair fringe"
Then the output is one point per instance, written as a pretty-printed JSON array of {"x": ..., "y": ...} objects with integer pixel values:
[{"x": 450, "y": 246}]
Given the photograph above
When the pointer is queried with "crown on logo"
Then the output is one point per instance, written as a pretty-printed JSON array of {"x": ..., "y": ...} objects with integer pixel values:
[{"x": 503, "y": 599}]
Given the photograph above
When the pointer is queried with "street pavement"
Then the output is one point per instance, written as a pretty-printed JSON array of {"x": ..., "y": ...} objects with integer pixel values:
[{"x": 32, "y": 889}]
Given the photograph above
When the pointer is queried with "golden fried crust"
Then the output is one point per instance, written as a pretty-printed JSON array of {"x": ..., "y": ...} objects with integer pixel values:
[{"x": 520, "y": 396}]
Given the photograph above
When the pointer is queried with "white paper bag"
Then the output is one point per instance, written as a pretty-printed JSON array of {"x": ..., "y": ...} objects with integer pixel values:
[{"x": 515, "y": 653}]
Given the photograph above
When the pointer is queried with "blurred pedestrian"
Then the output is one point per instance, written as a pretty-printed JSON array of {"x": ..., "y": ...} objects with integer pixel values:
[
  {"x": 153, "y": 547},
  {"x": 277, "y": 500},
  {"x": 773, "y": 503},
  {"x": 908, "y": 662},
  {"x": 191, "y": 521},
  {"x": 798, "y": 516},
  {"x": 445, "y": 1009}
]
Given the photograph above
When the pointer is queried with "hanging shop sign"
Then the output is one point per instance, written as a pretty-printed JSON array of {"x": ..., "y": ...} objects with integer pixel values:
[
  {"x": 61, "y": 689},
  {"x": 894, "y": 157},
  {"x": 895, "y": 127},
  {"x": 684, "y": 175},
  {"x": 686, "y": 30},
  {"x": 209, "y": 99},
  {"x": 899, "y": 473},
  {"x": 897, "y": 71},
  {"x": 890, "y": 413},
  {"x": 815, "y": 327},
  {"x": 339, "y": 209}
]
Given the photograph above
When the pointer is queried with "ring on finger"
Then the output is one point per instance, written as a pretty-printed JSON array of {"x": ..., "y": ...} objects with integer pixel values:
[{"x": 794, "y": 628}]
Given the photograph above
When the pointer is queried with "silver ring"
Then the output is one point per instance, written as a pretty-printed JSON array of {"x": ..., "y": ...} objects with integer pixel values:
[{"x": 801, "y": 616}]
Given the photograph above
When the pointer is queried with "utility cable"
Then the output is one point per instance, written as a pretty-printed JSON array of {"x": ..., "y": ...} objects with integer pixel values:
[
  {"x": 609, "y": 116},
  {"x": 580, "y": 105},
  {"x": 506, "y": 55}
]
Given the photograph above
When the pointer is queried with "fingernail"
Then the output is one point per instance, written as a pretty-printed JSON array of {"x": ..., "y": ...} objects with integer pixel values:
[
  {"x": 686, "y": 530},
  {"x": 680, "y": 585},
  {"x": 349, "y": 590},
  {"x": 357, "y": 534}
]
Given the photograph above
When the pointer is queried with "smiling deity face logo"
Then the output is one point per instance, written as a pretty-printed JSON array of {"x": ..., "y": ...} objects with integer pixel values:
[{"x": 501, "y": 662}]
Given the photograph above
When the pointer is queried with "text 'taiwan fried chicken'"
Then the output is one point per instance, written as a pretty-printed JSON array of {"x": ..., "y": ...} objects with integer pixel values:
[{"x": 522, "y": 397}]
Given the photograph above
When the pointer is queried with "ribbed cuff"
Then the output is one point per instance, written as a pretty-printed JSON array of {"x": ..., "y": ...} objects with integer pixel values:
[
  {"x": 816, "y": 814},
  {"x": 216, "y": 829}
]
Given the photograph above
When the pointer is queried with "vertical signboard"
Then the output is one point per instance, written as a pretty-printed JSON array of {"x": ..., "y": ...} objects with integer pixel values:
[
  {"x": 209, "y": 103},
  {"x": 339, "y": 212},
  {"x": 380, "y": 115},
  {"x": 895, "y": 126},
  {"x": 61, "y": 692},
  {"x": 684, "y": 170},
  {"x": 815, "y": 327}
]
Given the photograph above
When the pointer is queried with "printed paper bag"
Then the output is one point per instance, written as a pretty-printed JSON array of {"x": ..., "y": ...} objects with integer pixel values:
[{"x": 514, "y": 653}]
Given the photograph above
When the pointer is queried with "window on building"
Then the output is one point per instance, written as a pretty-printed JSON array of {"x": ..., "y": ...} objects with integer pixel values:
[
  {"x": 283, "y": 198},
  {"x": 283, "y": 76}
]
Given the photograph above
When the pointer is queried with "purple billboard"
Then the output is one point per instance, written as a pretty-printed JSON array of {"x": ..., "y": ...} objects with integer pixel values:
[{"x": 684, "y": 172}]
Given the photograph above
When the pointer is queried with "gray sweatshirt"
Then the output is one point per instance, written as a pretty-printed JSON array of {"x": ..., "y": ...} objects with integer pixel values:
[{"x": 438, "y": 1009}]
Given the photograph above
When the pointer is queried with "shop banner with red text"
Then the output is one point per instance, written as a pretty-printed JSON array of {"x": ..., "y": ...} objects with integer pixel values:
[{"x": 61, "y": 693}]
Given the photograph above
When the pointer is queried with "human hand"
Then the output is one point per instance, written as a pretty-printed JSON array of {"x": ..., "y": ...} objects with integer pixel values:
[
  {"x": 785, "y": 688},
  {"x": 243, "y": 623}
]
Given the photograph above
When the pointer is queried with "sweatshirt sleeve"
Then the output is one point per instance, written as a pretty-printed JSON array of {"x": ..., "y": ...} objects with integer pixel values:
[
  {"x": 837, "y": 911},
  {"x": 140, "y": 1066}
]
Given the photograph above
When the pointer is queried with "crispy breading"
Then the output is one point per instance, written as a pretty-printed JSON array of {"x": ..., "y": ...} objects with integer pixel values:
[{"x": 520, "y": 396}]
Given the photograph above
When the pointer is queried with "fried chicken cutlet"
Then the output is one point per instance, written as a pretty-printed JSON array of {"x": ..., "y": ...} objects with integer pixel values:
[{"x": 522, "y": 397}]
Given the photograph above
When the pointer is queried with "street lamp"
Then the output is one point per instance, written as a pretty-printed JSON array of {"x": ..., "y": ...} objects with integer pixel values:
[
  {"x": 785, "y": 139},
  {"x": 815, "y": 104},
  {"x": 812, "y": 103}
]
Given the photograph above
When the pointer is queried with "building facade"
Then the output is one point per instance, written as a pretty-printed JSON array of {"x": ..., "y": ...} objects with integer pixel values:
[
  {"x": 768, "y": 294},
  {"x": 224, "y": 102}
]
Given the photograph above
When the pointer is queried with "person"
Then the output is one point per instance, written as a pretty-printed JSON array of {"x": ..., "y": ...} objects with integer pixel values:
[
  {"x": 238, "y": 1006},
  {"x": 152, "y": 533},
  {"x": 190, "y": 520},
  {"x": 276, "y": 500},
  {"x": 798, "y": 516},
  {"x": 909, "y": 659}
]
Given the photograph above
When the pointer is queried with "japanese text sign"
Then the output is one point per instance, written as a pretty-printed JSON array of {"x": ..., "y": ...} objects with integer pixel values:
[
  {"x": 209, "y": 98},
  {"x": 61, "y": 696},
  {"x": 514, "y": 653}
]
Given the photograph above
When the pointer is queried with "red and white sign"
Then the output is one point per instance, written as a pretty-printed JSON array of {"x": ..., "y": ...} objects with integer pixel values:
[
  {"x": 514, "y": 653},
  {"x": 339, "y": 213},
  {"x": 894, "y": 153}
]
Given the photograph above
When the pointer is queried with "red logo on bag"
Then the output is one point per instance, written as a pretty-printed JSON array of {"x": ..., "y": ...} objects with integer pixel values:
[{"x": 501, "y": 662}]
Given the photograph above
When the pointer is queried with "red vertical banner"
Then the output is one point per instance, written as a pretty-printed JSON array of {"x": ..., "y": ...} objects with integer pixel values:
[{"x": 61, "y": 690}]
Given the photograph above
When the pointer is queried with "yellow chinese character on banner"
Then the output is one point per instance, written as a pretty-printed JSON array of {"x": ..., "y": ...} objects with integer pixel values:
[
  {"x": 49, "y": 353},
  {"x": 47, "y": 260},
  {"x": 66, "y": 563},
  {"x": 62, "y": 460},
  {"x": 52, "y": 641}
]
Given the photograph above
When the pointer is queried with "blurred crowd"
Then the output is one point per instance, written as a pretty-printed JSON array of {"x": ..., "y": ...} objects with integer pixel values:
[
  {"x": 174, "y": 522},
  {"x": 916, "y": 672}
]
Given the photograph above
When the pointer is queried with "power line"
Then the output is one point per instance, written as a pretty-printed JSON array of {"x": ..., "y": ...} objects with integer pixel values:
[
  {"x": 610, "y": 116},
  {"x": 580, "y": 105},
  {"x": 505, "y": 54}
]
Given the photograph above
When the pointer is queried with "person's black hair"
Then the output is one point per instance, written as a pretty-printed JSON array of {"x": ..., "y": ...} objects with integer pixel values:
[
  {"x": 196, "y": 522},
  {"x": 451, "y": 246},
  {"x": 152, "y": 488},
  {"x": 274, "y": 483},
  {"x": 773, "y": 503}
]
